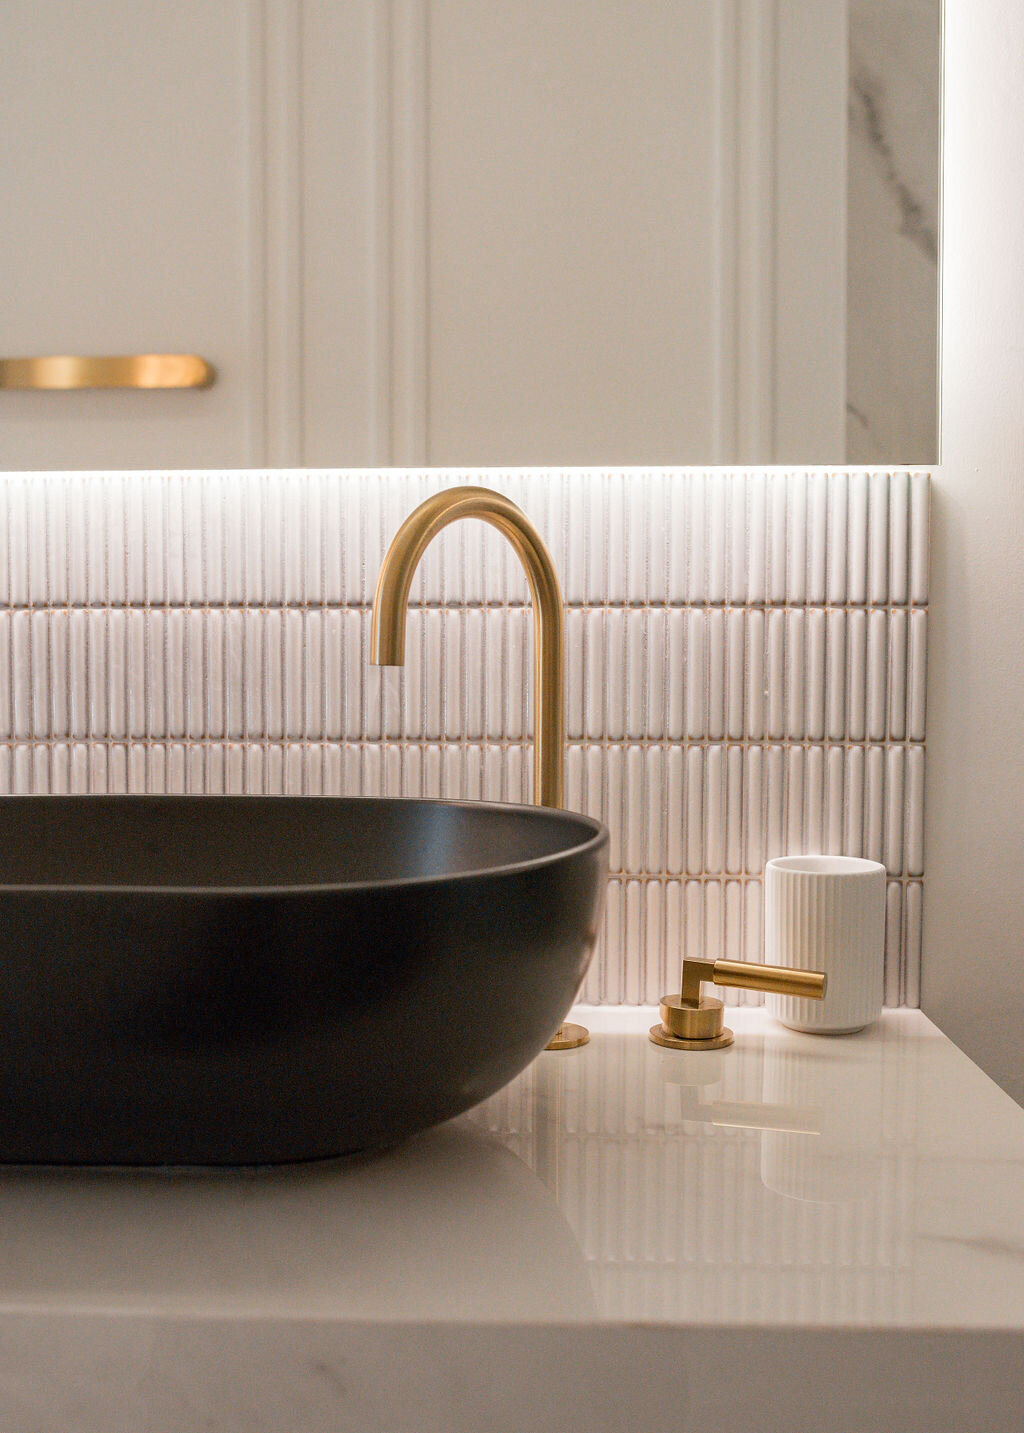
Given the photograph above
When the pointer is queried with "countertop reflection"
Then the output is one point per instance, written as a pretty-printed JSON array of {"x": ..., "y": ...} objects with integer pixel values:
[{"x": 874, "y": 1179}]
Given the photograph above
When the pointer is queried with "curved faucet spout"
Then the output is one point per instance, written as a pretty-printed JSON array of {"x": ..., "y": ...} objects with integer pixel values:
[{"x": 387, "y": 638}]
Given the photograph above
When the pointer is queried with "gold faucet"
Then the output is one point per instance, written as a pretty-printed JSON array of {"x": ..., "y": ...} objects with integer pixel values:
[
  {"x": 691, "y": 1021},
  {"x": 387, "y": 634}
]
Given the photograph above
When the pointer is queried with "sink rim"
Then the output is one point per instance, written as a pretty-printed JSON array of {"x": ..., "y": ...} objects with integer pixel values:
[{"x": 599, "y": 836}]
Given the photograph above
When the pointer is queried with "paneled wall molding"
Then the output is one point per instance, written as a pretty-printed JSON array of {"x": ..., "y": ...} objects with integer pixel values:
[
  {"x": 409, "y": 246},
  {"x": 365, "y": 166},
  {"x": 747, "y": 238},
  {"x": 745, "y": 667},
  {"x": 275, "y": 134}
]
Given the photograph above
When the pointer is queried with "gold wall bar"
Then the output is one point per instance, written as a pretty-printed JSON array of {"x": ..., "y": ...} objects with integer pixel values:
[{"x": 132, "y": 370}]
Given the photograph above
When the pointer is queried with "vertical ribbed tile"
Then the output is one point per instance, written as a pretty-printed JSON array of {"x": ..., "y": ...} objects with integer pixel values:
[
  {"x": 796, "y": 539},
  {"x": 894, "y": 808},
  {"x": 652, "y": 855},
  {"x": 732, "y": 917},
  {"x": 814, "y": 799},
  {"x": 675, "y": 678},
  {"x": 675, "y": 799},
  {"x": 817, "y": 538},
  {"x": 656, "y": 664},
  {"x": 857, "y": 676},
  {"x": 917, "y": 676},
  {"x": 653, "y": 964},
  {"x": 914, "y": 805},
  {"x": 717, "y": 546},
  {"x": 815, "y": 679},
  {"x": 210, "y": 632},
  {"x": 920, "y": 499},
  {"x": 775, "y": 804},
  {"x": 755, "y": 675},
  {"x": 633, "y": 959},
  {"x": 735, "y": 648},
  {"x": 912, "y": 943},
  {"x": 777, "y": 539},
  {"x": 835, "y": 779},
  {"x": 42, "y": 674},
  {"x": 877, "y": 672},
  {"x": 899, "y": 538},
  {"x": 713, "y": 944},
  {"x": 694, "y": 825},
  {"x": 716, "y": 676},
  {"x": 736, "y": 539},
  {"x": 696, "y": 675},
  {"x": 753, "y": 918},
  {"x": 795, "y": 770},
  {"x": 775, "y": 681},
  {"x": 835, "y": 684},
  {"x": 878, "y": 538},
  {"x": 713, "y": 856},
  {"x": 836, "y": 539},
  {"x": 857, "y": 539},
  {"x": 753, "y": 814},
  {"x": 757, "y": 540},
  {"x": 634, "y": 852},
  {"x": 874, "y": 805},
  {"x": 36, "y": 540},
  {"x": 7, "y": 680},
  {"x": 21, "y": 674},
  {"x": 594, "y": 695},
  {"x": 695, "y": 531},
  {"x": 614, "y": 725},
  {"x": 897, "y": 703},
  {"x": 635, "y": 661},
  {"x": 733, "y": 823},
  {"x": 893, "y": 941}
]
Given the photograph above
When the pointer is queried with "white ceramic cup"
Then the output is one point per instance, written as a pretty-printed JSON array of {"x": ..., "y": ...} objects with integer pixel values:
[{"x": 827, "y": 913}]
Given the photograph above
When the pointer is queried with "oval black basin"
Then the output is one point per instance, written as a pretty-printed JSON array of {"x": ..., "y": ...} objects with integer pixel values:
[{"x": 250, "y": 979}]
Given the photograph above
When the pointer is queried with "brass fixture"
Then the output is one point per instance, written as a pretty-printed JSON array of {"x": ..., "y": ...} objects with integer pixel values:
[
  {"x": 690, "y": 1021},
  {"x": 387, "y": 633},
  {"x": 130, "y": 370}
]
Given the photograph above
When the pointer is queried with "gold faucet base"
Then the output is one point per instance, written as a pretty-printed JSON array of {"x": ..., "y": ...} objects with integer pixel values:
[
  {"x": 660, "y": 1036},
  {"x": 568, "y": 1037}
]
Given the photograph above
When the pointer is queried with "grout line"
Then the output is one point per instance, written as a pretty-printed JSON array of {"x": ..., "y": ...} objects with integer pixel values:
[{"x": 454, "y": 604}]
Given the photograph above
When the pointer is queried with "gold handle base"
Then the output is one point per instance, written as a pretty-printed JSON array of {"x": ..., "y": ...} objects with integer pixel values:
[
  {"x": 686, "y": 1025},
  {"x": 568, "y": 1037},
  {"x": 660, "y": 1036}
]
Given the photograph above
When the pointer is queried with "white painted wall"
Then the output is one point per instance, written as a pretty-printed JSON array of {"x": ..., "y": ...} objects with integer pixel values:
[{"x": 973, "y": 969}]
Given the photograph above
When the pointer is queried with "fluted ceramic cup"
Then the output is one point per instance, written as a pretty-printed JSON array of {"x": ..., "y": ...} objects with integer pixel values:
[{"x": 827, "y": 913}]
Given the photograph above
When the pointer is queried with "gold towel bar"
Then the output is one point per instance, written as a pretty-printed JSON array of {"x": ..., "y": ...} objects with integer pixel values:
[{"x": 132, "y": 370}]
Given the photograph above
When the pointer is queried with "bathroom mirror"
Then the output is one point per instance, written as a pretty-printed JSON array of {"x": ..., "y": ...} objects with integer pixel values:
[{"x": 529, "y": 232}]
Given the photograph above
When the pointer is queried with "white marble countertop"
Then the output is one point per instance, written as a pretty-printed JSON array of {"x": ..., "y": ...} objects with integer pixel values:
[{"x": 801, "y": 1224}]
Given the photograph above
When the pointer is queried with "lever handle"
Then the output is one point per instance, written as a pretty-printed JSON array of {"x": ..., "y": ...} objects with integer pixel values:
[
  {"x": 130, "y": 370},
  {"x": 691, "y": 1021},
  {"x": 778, "y": 979}
]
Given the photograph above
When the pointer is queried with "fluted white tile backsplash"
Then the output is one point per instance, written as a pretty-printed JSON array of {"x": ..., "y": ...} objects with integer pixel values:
[{"x": 746, "y": 668}]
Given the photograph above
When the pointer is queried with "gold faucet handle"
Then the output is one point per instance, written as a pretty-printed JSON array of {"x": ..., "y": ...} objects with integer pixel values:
[{"x": 692, "y": 1021}]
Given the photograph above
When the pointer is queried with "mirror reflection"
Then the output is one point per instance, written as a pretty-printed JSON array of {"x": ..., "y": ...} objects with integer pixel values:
[{"x": 548, "y": 232}]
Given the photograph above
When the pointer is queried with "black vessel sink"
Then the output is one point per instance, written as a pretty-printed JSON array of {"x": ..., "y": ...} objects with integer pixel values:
[{"x": 249, "y": 979}]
